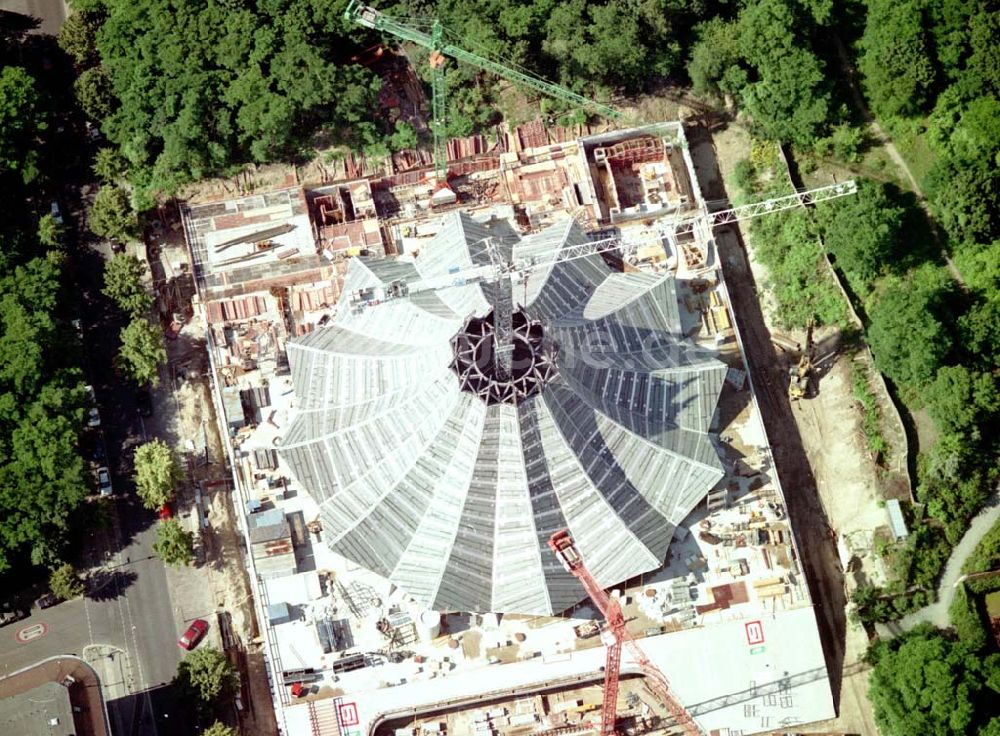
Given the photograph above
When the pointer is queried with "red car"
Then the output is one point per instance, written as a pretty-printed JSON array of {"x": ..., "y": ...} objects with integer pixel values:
[
  {"x": 190, "y": 638},
  {"x": 166, "y": 512}
]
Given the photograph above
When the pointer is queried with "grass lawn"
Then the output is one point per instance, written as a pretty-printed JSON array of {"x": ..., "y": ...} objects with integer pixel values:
[
  {"x": 912, "y": 145},
  {"x": 993, "y": 604}
]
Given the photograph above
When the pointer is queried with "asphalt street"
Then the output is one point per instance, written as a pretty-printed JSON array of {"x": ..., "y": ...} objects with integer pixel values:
[
  {"x": 127, "y": 611},
  {"x": 131, "y": 613}
]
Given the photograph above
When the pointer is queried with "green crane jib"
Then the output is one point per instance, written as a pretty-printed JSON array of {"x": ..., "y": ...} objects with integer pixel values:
[{"x": 440, "y": 48}]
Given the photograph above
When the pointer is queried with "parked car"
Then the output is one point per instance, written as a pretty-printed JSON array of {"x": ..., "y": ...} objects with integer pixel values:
[
  {"x": 144, "y": 402},
  {"x": 104, "y": 482},
  {"x": 166, "y": 511},
  {"x": 9, "y": 616},
  {"x": 56, "y": 214},
  {"x": 93, "y": 415},
  {"x": 47, "y": 600},
  {"x": 194, "y": 634},
  {"x": 97, "y": 455}
]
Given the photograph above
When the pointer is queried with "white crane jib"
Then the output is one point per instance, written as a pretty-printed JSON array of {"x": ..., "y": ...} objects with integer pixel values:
[{"x": 499, "y": 276}]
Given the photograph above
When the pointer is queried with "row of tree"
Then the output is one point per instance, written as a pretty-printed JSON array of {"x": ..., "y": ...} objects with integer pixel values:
[
  {"x": 930, "y": 69},
  {"x": 185, "y": 91},
  {"x": 42, "y": 398}
]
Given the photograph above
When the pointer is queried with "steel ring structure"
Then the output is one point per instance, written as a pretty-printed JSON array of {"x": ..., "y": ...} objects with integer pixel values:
[{"x": 437, "y": 472}]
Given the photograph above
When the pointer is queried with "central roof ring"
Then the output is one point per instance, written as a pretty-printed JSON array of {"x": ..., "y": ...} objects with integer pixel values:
[{"x": 474, "y": 364}]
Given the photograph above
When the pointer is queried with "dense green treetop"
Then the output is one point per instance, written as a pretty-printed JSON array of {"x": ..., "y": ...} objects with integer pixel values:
[
  {"x": 112, "y": 216},
  {"x": 174, "y": 544},
  {"x": 204, "y": 85},
  {"x": 21, "y": 118},
  {"x": 960, "y": 399},
  {"x": 205, "y": 674},
  {"x": 124, "y": 282},
  {"x": 896, "y": 60},
  {"x": 142, "y": 351},
  {"x": 906, "y": 335},
  {"x": 65, "y": 583},
  {"x": 924, "y": 683},
  {"x": 78, "y": 36},
  {"x": 219, "y": 729},
  {"x": 156, "y": 473},
  {"x": 862, "y": 232},
  {"x": 766, "y": 60}
]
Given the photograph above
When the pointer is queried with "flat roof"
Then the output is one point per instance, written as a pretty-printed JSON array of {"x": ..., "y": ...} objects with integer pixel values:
[{"x": 43, "y": 711}]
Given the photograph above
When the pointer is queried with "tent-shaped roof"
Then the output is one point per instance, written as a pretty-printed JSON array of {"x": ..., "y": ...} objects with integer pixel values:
[{"x": 454, "y": 498}]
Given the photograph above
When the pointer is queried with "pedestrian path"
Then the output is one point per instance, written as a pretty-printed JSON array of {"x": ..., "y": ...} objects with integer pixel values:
[{"x": 937, "y": 613}]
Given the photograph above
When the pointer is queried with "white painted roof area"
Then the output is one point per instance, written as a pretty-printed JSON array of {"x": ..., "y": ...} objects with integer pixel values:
[
  {"x": 453, "y": 500},
  {"x": 746, "y": 676}
]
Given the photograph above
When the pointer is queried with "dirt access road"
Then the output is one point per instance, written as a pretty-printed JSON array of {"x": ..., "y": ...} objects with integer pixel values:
[{"x": 820, "y": 560}]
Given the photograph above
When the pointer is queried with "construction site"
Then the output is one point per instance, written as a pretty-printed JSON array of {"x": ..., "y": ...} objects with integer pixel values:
[{"x": 499, "y": 461}]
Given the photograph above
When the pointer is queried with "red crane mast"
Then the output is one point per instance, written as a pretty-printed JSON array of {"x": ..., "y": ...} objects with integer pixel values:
[{"x": 561, "y": 543}]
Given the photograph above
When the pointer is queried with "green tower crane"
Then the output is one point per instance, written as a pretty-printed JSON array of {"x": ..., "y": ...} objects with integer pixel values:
[{"x": 440, "y": 48}]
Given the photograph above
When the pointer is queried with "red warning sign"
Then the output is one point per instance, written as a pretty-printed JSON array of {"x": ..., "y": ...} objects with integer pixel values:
[
  {"x": 348, "y": 714},
  {"x": 755, "y": 633}
]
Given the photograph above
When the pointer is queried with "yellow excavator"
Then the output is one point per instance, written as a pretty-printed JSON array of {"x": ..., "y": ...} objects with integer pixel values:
[{"x": 800, "y": 373}]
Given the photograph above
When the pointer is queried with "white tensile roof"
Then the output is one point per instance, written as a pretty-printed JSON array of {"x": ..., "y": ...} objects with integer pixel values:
[{"x": 454, "y": 498}]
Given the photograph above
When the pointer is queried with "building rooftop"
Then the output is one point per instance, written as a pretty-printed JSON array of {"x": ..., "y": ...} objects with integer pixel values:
[
  {"x": 44, "y": 711},
  {"x": 453, "y": 497}
]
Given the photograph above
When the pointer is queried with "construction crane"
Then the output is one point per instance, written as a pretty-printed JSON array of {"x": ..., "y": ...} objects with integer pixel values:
[
  {"x": 616, "y": 636},
  {"x": 441, "y": 47},
  {"x": 500, "y": 276}
]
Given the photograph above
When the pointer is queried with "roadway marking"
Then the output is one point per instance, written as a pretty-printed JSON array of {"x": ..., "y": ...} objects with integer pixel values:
[{"x": 31, "y": 632}]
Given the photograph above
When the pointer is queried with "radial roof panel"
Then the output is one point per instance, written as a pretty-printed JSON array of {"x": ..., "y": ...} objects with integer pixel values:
[{"x": 452, "y": 493}]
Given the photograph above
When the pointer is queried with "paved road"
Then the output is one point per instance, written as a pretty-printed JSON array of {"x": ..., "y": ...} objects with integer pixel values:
[
  {"x": 132, "y": 615},
  {"x": 937, "y": 613},
  {"x": 51, "y": 12}
]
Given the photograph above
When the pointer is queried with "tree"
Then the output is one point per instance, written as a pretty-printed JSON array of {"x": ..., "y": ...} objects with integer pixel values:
[
  {"x": 219, "y": 729},
  {"x": 50, "y": 232},
  {"x": 174, "y": 544},
  {"x": 21, "y": 118},
  {"x": 924, "y": 683},
  {"x": 404, "y": 137},
  {"x": 240, "y": 82},
  {"x": 896, "y": 64},
  {"x": 964, "y": 616},
  {"x": 789, "y": 103},
  {"x": 65, "y": 583},
  {"x": 156, "y": 473},
  {"x": 112, "y": 215},
  {"x": 983, "y": 64},
  {"x": 787, "y": 244},
  {"x": 206, "y": 675},
  {"x": 959, "y": 400},
  {"x": 862, "y": 232},
  {"x": 907, "y": 338},
  {"x": 77, "y": 36},
  {"x": 142, "y": 351},
  {"x": 980, "y": 331},
  {"x": 109, "y": 165},
  {"x": 713, "y": 66},
  {"x": 764, "y": 59},
  {"x": 845, "y": 143},
  {"x": 965, "y": 196},
  {"x": 123, "y": 282},
  {"x": 94, "y": 93}
]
